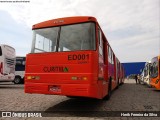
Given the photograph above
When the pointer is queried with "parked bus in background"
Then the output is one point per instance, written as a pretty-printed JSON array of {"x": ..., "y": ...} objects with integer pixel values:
[
  {"x": 72, "y": 57},
  {"x": 146, "y": 77},
  {"x": 155, "y": 72},
  {"x": 19, "y": 70},
  {"x": 7, "y": 63},
  {"x": 142, "y": 76}
]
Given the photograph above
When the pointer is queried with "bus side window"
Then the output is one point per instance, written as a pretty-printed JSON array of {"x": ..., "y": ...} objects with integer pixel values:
[
  {"x": 151, "y": 69},
  {"x": 18, "y": 63},
  {"x": 110, "y": 56},
  {"x": 112, "y": 61},
  {"x": 156, "y": 68},
  {"x": 100, "y": 43},
  {"x": 0, "y": 51}
]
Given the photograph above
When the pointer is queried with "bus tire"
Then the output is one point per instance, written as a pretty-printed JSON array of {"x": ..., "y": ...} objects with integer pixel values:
[
  {"x": 107, "y": 97},
  {"x": 17, "y": 80}
]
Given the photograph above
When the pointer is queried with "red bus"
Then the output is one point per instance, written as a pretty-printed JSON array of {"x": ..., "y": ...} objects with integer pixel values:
[
  {"x": 155, "y": 72},
  {"x": 71, "y": 56}
]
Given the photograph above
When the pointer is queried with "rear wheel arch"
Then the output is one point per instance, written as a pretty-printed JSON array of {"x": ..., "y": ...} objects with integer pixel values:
[{"x": 107, "y": 97}]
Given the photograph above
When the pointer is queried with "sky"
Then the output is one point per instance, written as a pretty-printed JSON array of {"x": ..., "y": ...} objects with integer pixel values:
[{"x": 132, "y": 27}]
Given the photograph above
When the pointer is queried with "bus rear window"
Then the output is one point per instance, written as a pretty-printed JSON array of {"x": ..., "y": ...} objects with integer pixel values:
[
  {"x": 77, "y": 37},
  {"x": 64, "y": 38}
]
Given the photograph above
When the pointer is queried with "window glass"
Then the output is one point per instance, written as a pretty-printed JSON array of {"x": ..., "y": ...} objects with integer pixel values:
[
  {"x": 100, "y": 43},
  {"x": 20, "y": 64},
  {"x": 20, "y": 61},
  {"x": 45, "y": 39},
  {"x": 0, "y": 51},
  {"x": 77, "y": 37},
  {"x": 146, "y": 71},
  {"x": 109, "y": 55}
]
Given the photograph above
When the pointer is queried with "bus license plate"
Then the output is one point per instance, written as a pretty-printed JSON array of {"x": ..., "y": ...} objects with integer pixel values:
[{"x": 55, "y": 88}]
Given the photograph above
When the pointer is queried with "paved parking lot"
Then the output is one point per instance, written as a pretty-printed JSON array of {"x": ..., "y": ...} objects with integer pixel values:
[{"x": 129, "y": 97}]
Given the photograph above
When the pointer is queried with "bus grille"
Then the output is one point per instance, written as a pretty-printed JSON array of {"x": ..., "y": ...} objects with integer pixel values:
[{"x": 10, "y": 61}]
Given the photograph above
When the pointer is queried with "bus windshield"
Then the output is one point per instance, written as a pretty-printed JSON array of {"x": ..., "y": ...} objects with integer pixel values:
[{"x": 64, "y": 38}]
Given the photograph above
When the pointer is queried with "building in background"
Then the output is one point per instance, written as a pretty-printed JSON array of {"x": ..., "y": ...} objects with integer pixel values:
[{"x": 133, "y": 68}]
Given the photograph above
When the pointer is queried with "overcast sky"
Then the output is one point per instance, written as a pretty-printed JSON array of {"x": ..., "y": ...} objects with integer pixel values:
[{"x": 132, "y": 27}]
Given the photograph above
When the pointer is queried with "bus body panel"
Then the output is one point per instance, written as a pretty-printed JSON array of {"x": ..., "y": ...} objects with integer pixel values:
[
  {"x": 86, "y": 90},
  {"x": 66, "y": 70}
]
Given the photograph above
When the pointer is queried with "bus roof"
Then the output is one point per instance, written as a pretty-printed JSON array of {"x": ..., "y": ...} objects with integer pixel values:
[
  {"x": 157, "y": 57},
  {"x": 64, "y": 21},
  {"x": 6, "y": 46}
]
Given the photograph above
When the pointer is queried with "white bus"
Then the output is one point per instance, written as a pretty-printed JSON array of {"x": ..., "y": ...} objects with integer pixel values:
[
  {"x": 20, "y": 70},
  {"x": 142, "y": 76},
  {"x": 146, "y": 70},
  {"x": 7, "y": 63}
]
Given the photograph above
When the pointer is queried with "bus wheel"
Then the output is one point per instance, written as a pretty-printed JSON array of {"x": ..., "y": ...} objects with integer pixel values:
[
  {"x": 17, "y": 80},
  {"x": 109, "y": 91}
]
